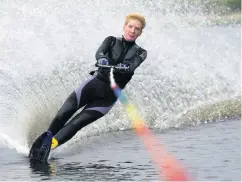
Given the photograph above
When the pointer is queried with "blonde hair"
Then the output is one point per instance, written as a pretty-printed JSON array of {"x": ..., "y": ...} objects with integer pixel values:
[{"x": 135, "y": 16}]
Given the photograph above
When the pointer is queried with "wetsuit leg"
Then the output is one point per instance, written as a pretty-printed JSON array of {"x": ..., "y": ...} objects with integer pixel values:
[
  {"x": 70, "y": 106},
  {"x": 64, "y": 114},
  {"x": 81, "y": 120},
  {"x": 103, "y": 100}
]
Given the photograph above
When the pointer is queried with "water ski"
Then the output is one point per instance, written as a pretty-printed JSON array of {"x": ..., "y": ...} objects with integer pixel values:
[{"x": 40, "y": 149}]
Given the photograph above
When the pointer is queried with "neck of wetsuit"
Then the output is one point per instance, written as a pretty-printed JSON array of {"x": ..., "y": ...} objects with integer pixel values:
[{"x": 127, "y": 43}]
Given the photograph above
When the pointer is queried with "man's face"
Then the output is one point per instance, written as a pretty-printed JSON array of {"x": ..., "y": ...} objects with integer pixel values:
[{"x": 132, "y": 30}]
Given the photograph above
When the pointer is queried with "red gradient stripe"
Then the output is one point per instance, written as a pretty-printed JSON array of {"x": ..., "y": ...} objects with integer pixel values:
[{"x": 169, "y": 167}]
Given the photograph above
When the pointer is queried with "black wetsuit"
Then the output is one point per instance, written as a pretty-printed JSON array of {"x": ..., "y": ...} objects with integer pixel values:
[{"x": 95, "y": 94}]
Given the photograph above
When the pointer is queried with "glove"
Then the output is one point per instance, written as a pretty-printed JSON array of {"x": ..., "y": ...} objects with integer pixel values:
[
  {"x": 102, "y": 61},
  {"x": 123, "y": 66}
]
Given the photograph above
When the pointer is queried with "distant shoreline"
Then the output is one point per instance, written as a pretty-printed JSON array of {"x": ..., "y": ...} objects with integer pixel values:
[
  {"x": 219, "y": 12},
  {"x": 210, "y": 20}
]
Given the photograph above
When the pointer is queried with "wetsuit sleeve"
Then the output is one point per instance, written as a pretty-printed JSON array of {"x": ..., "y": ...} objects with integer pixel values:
[
  {"x": 138, "y": 59},
  {"x": 104, "y": 48}
]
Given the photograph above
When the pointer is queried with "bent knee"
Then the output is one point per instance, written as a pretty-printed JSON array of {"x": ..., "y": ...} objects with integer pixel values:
[{"x": 102, "y": 110}]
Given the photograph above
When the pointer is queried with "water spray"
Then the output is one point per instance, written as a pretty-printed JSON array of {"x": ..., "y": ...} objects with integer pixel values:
[{"x": 168, "y": 166}]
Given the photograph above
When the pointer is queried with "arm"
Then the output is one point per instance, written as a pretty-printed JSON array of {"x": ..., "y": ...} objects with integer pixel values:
[
  {"x": 138, "y": 59},
  {"x": 103, "y": 49}
]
